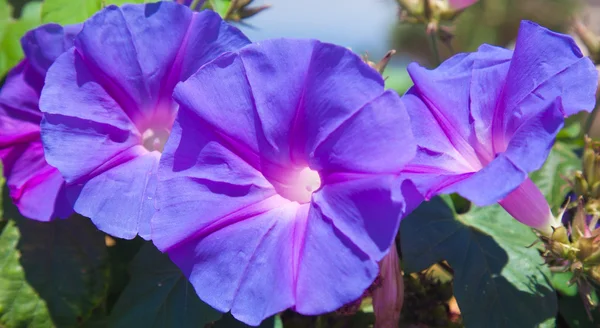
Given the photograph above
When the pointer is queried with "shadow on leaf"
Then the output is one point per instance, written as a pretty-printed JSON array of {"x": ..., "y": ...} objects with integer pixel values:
[
  {"x": 56, "y": 272},
  {"x": 498, "y": 281}
]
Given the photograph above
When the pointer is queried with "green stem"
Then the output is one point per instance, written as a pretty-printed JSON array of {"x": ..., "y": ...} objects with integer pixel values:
[{"x": 434, "y": 48}]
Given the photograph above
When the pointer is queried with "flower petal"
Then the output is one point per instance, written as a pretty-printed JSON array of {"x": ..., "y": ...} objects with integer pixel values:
[
  {"x": 223, "y": 218},
  {"x": 389, "y": 296},
  {"x": 528, "y": 205},
  {"x": 36, "y": 188},
  {"x": 368, "y": 210},
  {"x": 499, "y": 178},
  {"x": 450, "y": 109},
  {"x": 78, "y": 141},
  {"x": 436, "y": 156},
  {"x": 23, "y": 85},
  {"x": 17, "y": 127},
  {"x": 531, "y": 143},
  {"x": 141, "y": 81},
  {"x": 233, "y": 268},
  {"x": 468, "y": 110},
  {"x": 226, "y": 108},
  {"x": 103, "y": 95},
  {"x": 490, "y": 67},
  {"x": 222, "y": 223},
  {"x": 391, "y": 142},
  {"x": 44, "y": 44},
  {"x": 451, "y": 114},
  {"x": 268, "y": 66},
  {"x": 102, "y": 197},
  {"x": 201, "y": 181},
  {"x": 328, "y": 256},
  {"x": 279, "y": 116},
  {"x": 20, "y": 95},
  {"x": 545, "y": 65},
  {"x": 338, "y": 84}
]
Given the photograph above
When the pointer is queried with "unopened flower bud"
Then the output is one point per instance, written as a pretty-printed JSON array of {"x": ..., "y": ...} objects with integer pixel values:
[
  {"x": 559, "y": 243},
  {"x": 595, "y": 174},
  {"x": 559, "y": 249},
  {"x": 595, "y": 190},
  {"x": 585, "y": 247},
  {"x": 412, "y": 8},
  {"x": 579, "y": 228},
  {"x": 388, "y": 298},
  {"x": 589, "y": 250},
  {"x": 461, "y": 4},
  {"x": 449, "y": 9},
  {"x": 580, "y": 184},
  {"x": 432, "y": 12},
  {"x": 560, "y": 235},
  {"x": 593, "y": 207},
  {"x": 594, "y": 257},
  {"x": 589, "y": 163},
  {"x": 528, "y": 205}
]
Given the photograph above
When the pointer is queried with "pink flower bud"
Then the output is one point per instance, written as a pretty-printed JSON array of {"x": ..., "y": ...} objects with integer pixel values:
[
  {"x": 528, "y": 205},
  {"x": 461, "y": 4},
  {"x": 388, "y": 298}
]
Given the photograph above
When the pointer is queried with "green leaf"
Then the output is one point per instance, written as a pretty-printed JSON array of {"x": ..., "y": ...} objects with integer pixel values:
[
  {"x": 11, "y": 32},
  {"x": 5, "y": 16},
  {"x": 52, "y": 274},
  {"x": 570, "y": 303},
  {"x": 572, "y": 310},
  {"x": 572, "y": 132},
  {"x": 158, "y": 295},
  {"x": 220, "y": 6},
  {"x": 2, "y": 181},
  {"x": 396, "y": 78},
  {"x": 66, "y": 12},
  {"x": 20, "y": 305},
  {"x": 228, "y": 321},
  {"x": 498, "y": 281},
  {"x": 561, "y": 162},
  {"x": 560, "y": 282},
  {"x": 120, "y": 256}
]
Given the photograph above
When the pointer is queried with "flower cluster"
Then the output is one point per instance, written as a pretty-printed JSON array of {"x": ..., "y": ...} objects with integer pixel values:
[{"x": 271, "y": 171}]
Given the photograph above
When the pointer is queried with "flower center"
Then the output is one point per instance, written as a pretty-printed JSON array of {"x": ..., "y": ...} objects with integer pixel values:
[
  {"x": 301, "y": 186},
  {"x": 155, "y": 139}
]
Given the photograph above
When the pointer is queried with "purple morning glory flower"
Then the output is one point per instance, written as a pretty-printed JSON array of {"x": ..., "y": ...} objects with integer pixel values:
[
  {"x": 36, "y": 188},
  {"x": 484, "y": 120},
  {"x": 108, "y": 108},
  {"x": 281, "y": 179}
]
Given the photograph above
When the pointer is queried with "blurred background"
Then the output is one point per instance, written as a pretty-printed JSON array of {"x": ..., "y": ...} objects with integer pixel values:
[{"x": 374, "y": 26}]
